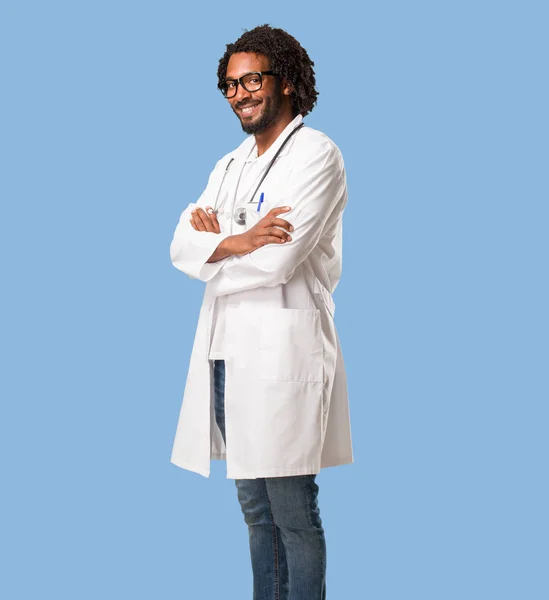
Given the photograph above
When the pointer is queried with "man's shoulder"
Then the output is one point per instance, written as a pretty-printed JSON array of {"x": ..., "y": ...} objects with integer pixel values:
[
  {"x": 315, "y": 136},
  {"x": 312, "y": 142}
]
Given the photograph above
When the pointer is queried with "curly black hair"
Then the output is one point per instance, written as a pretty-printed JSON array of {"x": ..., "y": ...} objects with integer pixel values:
[{"x": 288, "y": 59}]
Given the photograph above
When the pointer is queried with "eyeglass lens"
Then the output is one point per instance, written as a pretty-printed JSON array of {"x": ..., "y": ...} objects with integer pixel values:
[{"x": 251, "y": 83}]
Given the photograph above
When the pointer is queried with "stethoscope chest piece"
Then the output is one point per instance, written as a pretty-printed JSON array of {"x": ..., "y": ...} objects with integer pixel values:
[{"x": 240, "y": 215}]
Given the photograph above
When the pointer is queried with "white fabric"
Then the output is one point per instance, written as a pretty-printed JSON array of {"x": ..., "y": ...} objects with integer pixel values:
[
  {"x": 249, "y": 177},
  {"x": 270, "y": 315}
]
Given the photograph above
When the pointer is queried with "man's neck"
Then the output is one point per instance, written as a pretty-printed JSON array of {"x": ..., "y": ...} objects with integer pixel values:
[{"x": 266, "y": 138}]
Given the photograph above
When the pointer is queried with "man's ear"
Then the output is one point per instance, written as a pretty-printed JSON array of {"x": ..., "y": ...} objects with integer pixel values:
[{"x": 287, "y": 87}]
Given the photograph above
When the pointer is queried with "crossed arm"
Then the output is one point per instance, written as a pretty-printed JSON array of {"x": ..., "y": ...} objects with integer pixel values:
[
  {"x": 266, "y": 231},
  {"x": 260, "y": 257}
]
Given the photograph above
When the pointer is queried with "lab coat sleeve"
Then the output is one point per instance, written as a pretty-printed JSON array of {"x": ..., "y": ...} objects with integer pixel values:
[
  {"x": 190, "y": 249},
  {"x": 315, "y": 188}
]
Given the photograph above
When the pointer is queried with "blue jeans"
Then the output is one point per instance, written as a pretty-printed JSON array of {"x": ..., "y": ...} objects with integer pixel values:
[{"x": 287, "y": 544}]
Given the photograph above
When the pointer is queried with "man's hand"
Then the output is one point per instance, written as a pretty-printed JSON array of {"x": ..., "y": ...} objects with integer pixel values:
[
  {"x": 265, "y": 231},
  {"x": 203, "y": 221}
]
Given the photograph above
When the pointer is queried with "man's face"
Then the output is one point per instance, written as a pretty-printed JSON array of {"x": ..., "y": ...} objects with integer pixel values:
[{"x": 266, "y": 103}]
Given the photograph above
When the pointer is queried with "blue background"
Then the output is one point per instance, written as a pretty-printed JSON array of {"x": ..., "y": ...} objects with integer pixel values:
[{"x": 110, "y": 125}]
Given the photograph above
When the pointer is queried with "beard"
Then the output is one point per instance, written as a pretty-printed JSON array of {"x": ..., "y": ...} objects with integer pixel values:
[{"x": 269, "y": 112}]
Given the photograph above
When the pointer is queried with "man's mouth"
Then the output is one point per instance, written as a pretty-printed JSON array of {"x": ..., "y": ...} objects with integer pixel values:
[{"x": 249, "y": 110}]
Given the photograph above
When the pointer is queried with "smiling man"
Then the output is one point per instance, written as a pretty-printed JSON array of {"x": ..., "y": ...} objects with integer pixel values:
[
  {"x": 266, "y": 386},
  {"x": 260, "y": 113}
]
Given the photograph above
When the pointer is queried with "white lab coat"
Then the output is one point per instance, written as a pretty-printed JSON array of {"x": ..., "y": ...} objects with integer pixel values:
[{"x": 286, "y": 403}]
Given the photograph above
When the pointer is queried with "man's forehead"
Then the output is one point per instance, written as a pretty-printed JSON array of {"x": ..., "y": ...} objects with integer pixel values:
[{"x": 241, "y": 63}]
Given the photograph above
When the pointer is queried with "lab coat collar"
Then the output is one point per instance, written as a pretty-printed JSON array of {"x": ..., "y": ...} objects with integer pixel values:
[{"x": 247, "y": 151}]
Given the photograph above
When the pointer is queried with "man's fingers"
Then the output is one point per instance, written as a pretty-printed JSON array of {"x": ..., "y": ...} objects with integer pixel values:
[
  {"x": 198, "y": 221},
  {"x": 205, "y": 220},
  {"x": 278, "y": 210},
  {"x": 213, "y": 217},
  {"x": 275, "y": 231},
  {"x": 272, "y": 239},
  {"x": 283, "y": 223}
]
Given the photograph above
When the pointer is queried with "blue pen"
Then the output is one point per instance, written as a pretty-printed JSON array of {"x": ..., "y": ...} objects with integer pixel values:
[{"x": 260, "y": 201}]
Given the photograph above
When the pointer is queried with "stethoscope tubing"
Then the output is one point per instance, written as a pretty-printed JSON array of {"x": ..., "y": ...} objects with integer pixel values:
[{"x": 251, "y": 201}]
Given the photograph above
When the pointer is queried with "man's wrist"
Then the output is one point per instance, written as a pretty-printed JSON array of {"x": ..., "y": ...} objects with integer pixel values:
[{"x": 223, "y": 250}]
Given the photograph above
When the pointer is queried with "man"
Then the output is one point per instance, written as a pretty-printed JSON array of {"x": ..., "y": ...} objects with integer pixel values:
[{"x": 266, "y": 387}]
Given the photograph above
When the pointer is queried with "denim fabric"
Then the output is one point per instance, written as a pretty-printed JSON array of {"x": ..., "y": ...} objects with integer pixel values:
[{"x": 287, "y": 543}]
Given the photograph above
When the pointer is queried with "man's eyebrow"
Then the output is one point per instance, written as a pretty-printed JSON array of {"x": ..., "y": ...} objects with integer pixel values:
[{"x": 229, "y": 78}]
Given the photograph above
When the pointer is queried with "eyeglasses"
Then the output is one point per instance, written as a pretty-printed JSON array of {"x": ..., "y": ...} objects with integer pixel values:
[{"x": 251, "y": 82}]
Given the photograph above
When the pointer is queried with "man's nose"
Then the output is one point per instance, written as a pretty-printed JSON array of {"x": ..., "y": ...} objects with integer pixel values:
[{"x": 241, "y": 93}]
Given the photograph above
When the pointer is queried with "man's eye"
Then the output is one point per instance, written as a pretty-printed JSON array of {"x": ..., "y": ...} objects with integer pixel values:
[
  {"x": 253, "y": 80},
  {"x": 230, "y": 84}
]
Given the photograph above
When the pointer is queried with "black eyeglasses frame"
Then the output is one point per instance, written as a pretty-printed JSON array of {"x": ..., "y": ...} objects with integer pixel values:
[{"x": 240, "y": 82}]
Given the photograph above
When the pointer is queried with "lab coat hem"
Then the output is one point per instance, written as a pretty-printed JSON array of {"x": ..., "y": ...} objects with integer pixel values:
[
  {"x": 188, "y": 467},
  {"x": 306, "y": 470},
  {"x": 336, "y": 462},
  {"x": 346, "y": 460}
]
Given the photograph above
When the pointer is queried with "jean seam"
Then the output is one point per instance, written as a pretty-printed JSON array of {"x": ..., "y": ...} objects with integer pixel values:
[
  {"x": 308, "y": 500},
  {"x": 308, "y": 487},
  {"x": 275, "y": 551}
]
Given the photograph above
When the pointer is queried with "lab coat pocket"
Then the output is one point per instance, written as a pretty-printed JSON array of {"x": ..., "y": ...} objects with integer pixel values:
[{"x": 290, "y": 345}]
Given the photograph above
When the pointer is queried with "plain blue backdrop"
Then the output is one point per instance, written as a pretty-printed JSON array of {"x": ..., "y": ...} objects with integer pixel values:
[{"x": 110, "y": 125}]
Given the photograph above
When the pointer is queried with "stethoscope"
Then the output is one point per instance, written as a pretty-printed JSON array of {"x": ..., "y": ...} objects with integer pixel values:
[{"x": 240, "y": 213}]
